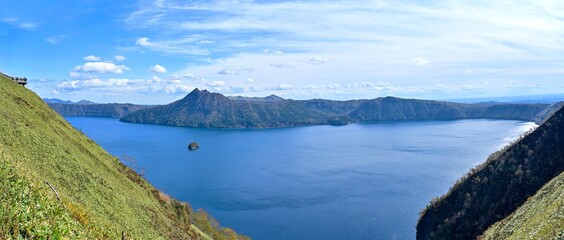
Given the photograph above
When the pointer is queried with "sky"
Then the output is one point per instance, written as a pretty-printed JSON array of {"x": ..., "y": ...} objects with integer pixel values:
[{"x": 157, "y": 51}]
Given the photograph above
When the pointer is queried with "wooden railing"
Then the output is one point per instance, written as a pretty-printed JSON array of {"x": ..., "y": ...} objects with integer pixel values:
[{"x": 20, "y": 80}]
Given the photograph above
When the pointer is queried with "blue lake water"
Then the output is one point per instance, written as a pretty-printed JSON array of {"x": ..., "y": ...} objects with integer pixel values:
[{"x": 361, "y": 181}]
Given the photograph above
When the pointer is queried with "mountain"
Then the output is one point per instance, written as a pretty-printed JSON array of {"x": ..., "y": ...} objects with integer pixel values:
[
  {"x": 213, "y": 110},
  {"x": 331, "y": 106},
  {"x": 543, "y": 98},
  {"x": 56, "y": 100},
  {"x": 505, "y": 187},
  {"x": 85, "y": 102},
  {"x": 85, "y": 108},
  {"x": 391, "y": 108},
  {"x": 271, "y": 98},
  {"x": 547, "y": 112},
  {"x": 56, "y": 183}
]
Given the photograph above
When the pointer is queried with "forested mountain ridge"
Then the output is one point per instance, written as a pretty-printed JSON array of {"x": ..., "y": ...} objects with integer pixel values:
[
  {"x": 213, "y": 110},
  {"x": 392, "y": 108},
  {"x": 497, "y": 188}
]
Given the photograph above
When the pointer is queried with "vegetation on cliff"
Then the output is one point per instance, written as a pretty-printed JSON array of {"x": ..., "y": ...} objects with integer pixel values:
[
  {"x": 99, "y": 196},
  {"x": 495, "y": 189}
]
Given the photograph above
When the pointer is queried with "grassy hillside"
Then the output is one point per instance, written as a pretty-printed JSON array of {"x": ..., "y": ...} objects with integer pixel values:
[
  {"x": 541, "y": 217},
  {"x": 100, "y": 197},
  {"x": 497, "y": 188},
  {"x": 27, "y": 211}
]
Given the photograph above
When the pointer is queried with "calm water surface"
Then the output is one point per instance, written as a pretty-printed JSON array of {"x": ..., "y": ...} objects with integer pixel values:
[{"x": 361, "y": 181}]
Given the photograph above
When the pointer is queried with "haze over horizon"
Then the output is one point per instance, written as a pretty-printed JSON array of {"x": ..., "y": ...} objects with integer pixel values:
[{"x": 158, "y": 51}]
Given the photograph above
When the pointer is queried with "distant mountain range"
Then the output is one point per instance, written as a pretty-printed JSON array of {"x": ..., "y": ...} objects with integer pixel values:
[
  {"x": 81, "y": 109},
  {"x": 56, "y": 100},
  {"x": 271, "y": 98},
  {"x": 542, "y": 98},
  {"x": 204, "y": 109}
]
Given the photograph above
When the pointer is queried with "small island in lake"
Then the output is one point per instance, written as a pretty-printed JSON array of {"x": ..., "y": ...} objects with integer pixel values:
[{"x": 193, "y": 146}]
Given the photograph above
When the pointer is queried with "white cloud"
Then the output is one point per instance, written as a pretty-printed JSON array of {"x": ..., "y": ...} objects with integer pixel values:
[
  {"x": 158, "y": 69},
  {"x": 144, "y": 42},
  {"x": 216, "y": 84},
  {"x": 81, "y": 75},
  {"x": 470, "y": 87},
  {"x": 15, "y": 22},
  {"x": 123, "y": 85},
  {"x": 282, "y": 65},
  {"x": 190, "y": 76},
  {"x": 178, "y": 46},
  {"x": 205, "y": 42},
  {"x": 120, "y": 58},
  {"x": 383, "y": 86},
  {"x": 284, "y": 86},
  {"x": 249, "y": 80},
  {"x": 176, "y": 89},
  {"x": 92, "y": 58},
  {"x": 317, "y": 60},
  {"x": 420, "y": 61},
  {"x": 157, "y": 79},
  {"x": 55, "y": 39},
  {"x": 10, "y": 20},
  {"x": 27, "y": 25},
  {"x": 101, "y": 67},
  {"x": 275, "y": 52},
  {"x": 227, "y": 71},
  {"x": 92, "y": 83}
]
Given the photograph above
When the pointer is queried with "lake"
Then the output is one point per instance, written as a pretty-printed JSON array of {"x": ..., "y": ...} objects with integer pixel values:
[{"x": 360, "y": 181}]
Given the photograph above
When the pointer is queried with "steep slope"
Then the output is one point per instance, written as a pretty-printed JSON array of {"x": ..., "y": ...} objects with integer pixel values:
[
  {"x": 541, "y": 217},
  {"x": 103, "y": 197},
  {"x": 213, "y": 110},
  {"x": 27, "y": 212},
  {"x": 111, "y": 110},
  {"x": 547, "y": 112},
  {"x": 498, "y": 187}
]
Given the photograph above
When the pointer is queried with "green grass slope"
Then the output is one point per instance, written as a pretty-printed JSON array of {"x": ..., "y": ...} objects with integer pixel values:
[
  {"x": 27, "y": 212},
  {"x": 102, "y": 196},
  {"x": 541, "y": 217}
]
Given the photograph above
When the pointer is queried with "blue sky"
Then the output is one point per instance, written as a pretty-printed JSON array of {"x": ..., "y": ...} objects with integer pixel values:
[{"x": 157, "y": 51}]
